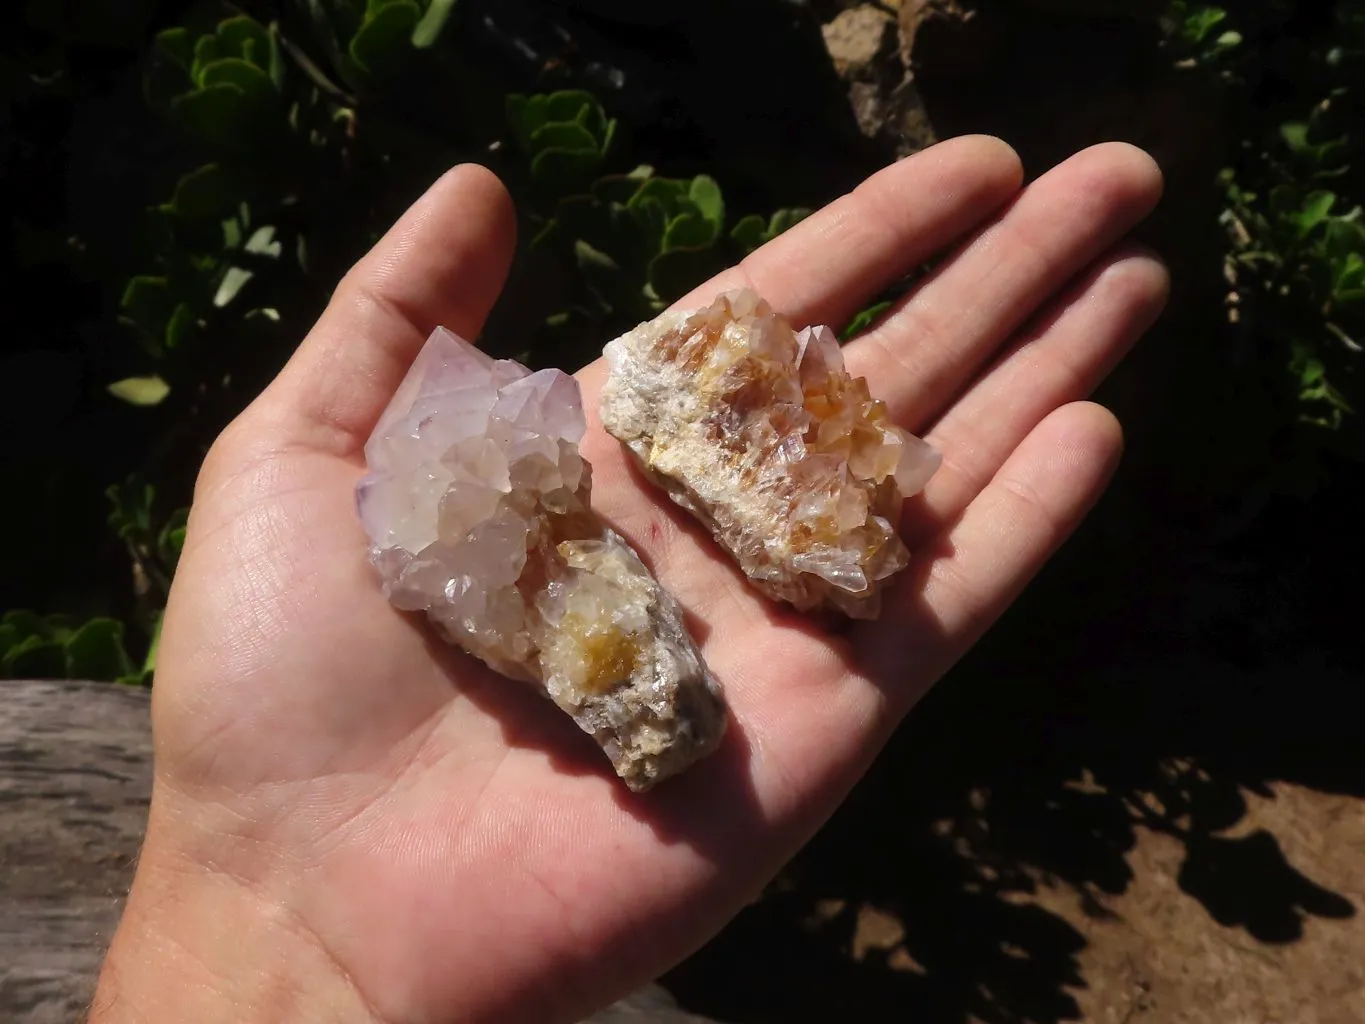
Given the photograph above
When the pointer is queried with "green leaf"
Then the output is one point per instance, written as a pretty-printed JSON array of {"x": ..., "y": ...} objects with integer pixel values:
[
  {"x": 244, "y": 37},
  {"x": 149, "y": 663},
  {"x": 1298, "y": 137},
  {"x": 209, "y": 193},
  {"x": 753, "y": 232},
  {"x": 563, "y": 135},
  {"x": 1295, "y": 135},
  {"x": 171, "y": 540},
  {"x": 165, "y": 79},
  {"x": 130, "y": 512},
  {"x": 383, "y": 44},
  {"x": 581, "y": 108},
  {"x": 666, "y": 191},
  {"x": 274, "y": 58},
  {"x": 750, "y": 232},
  {"x": 34, "y": 658},
  {"x": 263, "y": 242},
  {"x": 253, "y": 81},
  {"x": 1316, "y": 206},
  {"x": 563, "y": 170},
  {"x": 234, "y": 280},
  {"x": 341, "y": 63},
  {"x": 60, "y": 627},
  {"x": 689, "y": 230},
  {"x": 568, "y": 104},
  {"x": 566, "y": 156},
  {"x": 330, "y": 27},
  {"x": 206, "y": 49},
  {"x": 672, "y": 274},
  {"x": 146, "y": 302},
  {"x": 175, "y": 44},
  {"x": 1351, "y": 272},
  {"x": 600, "y": 272},
  {"x": 218, "y": 116},
  {"x": 785, "y": 219},
  {"x": 864, "y": 319},
  {"x": 24, "y": 623},
  {"x": 428, "y": 30},
  {"x": 96, "y": 651},
  {"x": 1345, "y": 237},
  {"x": 580, "y": 217},
  {"x": 525, "y": 114},
  {"x": 1201, "y": 21},
  {"x": 615, "y": 188},
  {"x": 180, "y": 326},
  {"x": 589, "y": 258},
  {"x": 705, "y": 193},
  {"x": 144, "y": 391},
  {"x": 651, "y": 216}
]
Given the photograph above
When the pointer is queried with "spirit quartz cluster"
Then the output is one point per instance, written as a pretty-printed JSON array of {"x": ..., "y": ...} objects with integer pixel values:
[
  {"x": 477, "y": 508},
  {"x": 760, "y": 432}
]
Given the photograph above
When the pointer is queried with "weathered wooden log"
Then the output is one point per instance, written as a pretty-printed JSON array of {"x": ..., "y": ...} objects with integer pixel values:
[
  {"x": 75, "y": 778},
  {"x": 75, "y": 774}
]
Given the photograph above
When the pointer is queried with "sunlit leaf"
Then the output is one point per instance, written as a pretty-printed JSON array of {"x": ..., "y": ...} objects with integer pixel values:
[
  {"x": 383, "y": 44},
  {"x": 140, "y": 390},
  {"x": 234, "y": 279},
  {"x": 705, "y": 193},
  {"x": 864, "y": 319},
  {"x": 428, "y": 30}
]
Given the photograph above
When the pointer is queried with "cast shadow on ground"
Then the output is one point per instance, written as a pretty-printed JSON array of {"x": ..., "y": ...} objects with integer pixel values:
[{"x": 1185, "y": 651}]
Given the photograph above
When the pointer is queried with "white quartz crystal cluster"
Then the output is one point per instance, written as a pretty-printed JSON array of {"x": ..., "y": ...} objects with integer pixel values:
[
  {"x": 760, "y": 432},
  {"x": 477, "y": 508}
]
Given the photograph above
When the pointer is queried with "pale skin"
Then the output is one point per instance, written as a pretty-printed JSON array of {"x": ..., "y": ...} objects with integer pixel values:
[{"x": 352, "y": 823}]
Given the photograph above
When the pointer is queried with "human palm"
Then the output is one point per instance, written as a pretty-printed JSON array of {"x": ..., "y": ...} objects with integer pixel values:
[{"x": 444, "y": 844}]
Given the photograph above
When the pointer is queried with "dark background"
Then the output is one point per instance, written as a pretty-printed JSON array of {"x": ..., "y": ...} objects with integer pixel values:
[{"x": 1199, "y": 638}]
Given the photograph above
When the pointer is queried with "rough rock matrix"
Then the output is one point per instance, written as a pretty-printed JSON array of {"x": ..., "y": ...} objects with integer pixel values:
[
  {"x": 760, "y": 432},
  {"x": 477, "y": 509}
]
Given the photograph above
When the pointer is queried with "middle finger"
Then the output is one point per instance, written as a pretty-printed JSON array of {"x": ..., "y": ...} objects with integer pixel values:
[{"x": 933, "y": 342}]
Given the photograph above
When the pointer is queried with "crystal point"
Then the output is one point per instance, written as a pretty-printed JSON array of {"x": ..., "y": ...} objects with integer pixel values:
[
  {"x": 477, "y": 508},
  {"x": 762, "y": 434}
]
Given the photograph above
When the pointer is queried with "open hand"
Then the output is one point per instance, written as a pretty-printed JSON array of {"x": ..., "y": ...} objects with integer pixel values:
[{"x": 352, "y": 821}]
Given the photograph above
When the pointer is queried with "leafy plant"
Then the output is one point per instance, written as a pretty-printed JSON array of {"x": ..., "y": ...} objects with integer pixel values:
[
  {"x": 153, "y": 544},
  {"x": 55, "y": 647},
  {"x": 58, "y": 647},
  {"x": 754, "y": 231},
  {"x": 636, "y": 242},
  {"x": 865, "y": 319},
  {"x": 1198, "y": 32},
  {"x": 287, "y": 147},
  {"x": 1296, "y": 252},
  {"x": 567, "y": 136}
]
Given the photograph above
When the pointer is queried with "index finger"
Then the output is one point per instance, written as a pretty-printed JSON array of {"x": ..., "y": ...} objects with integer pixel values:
[{"x": 830, "y": 265}]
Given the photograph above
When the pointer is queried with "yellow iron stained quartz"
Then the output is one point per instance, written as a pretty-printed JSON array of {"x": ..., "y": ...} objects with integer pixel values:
[{"x": 760, "y": 432}]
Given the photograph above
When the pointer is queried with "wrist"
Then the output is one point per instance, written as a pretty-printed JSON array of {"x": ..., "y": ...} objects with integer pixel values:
[{"x": 197, "y": 944}]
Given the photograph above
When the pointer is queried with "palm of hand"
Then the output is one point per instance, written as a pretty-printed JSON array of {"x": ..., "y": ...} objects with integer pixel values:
[{"x": 448, "y": 838}]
